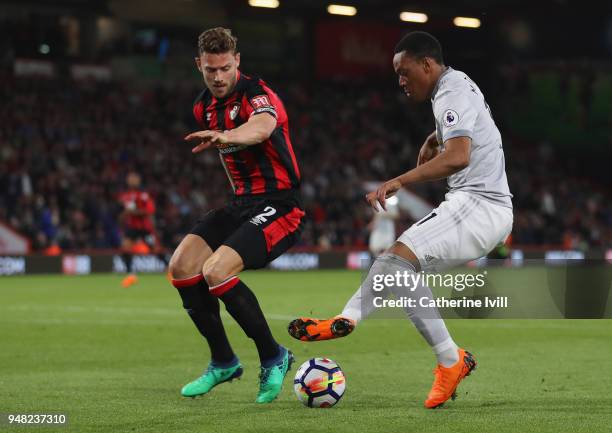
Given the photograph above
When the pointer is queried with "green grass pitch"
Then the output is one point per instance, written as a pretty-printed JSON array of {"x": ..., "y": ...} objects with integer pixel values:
[{"x": 115, "y": 359}]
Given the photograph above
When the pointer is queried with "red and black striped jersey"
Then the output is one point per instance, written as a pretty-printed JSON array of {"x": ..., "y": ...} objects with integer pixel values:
[
  {"x": 142, "y": 201},
  {"x": 261, "y": 168}
]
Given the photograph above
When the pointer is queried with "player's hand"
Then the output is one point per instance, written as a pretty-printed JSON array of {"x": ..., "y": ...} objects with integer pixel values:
[
  {"x": 208, "y": 139},
  {"x": 386, "y": 190},
  {"x": 429, "y": 149}
]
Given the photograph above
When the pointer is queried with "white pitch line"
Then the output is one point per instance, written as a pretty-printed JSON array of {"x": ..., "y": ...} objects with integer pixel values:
[
  {"x": 178, "y": 312},
  {"x": 142, "y": 316}
]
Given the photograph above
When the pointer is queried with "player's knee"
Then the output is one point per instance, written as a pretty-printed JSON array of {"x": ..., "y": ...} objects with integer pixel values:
[
  {"x": 181, "y": 266},
  {"x": 403, "y": 251},
  {"x": 214, "y": 273}
]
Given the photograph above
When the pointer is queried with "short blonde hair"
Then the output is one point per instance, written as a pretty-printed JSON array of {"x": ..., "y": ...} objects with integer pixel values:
[{"x": 217, "y": 41}]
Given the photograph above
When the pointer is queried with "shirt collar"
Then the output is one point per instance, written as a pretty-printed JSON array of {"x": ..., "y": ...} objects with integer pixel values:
[{"x": 437, "y": 86}]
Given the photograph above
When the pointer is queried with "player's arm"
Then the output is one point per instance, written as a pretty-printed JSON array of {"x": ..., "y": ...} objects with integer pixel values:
[
  {"x": 455, "y": 116},
  {"x": 429, "y": 150},
  {"x": 455, "y": 157},
  {"x": 127, "y": 207},
  {"x": 263, "y": 111},
  {"x": 256, "y": 130},
  {"x": 148, "y": 209}
]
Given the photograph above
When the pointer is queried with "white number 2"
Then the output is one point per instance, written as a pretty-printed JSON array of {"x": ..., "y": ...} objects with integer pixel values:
[{"x": 261, "y": 218}]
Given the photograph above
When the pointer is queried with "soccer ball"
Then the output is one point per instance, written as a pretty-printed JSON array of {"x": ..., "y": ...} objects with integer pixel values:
[{"x": 319, "y": 382}]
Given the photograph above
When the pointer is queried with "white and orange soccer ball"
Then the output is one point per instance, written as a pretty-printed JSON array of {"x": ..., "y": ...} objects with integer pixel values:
[{"x": 319, "y": 382}]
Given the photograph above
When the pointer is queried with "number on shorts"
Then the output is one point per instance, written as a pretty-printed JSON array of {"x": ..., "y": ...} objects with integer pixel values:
[{"x": 261, "y": 218}]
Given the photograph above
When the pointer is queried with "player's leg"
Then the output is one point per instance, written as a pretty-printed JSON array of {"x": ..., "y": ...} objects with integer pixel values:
[
  {"x": 357, "y": 308},
  {"x": 398, "y": 258},
  {"x": 433, "y": 241},
  {"x": 203, "y": 308},
  {"x": 427, "y": 320},
  {"x": 221, "y": 273},
  {"x": 454, "y": 363},
  {"x": 127, "y": 243},
  {"x": 462, "y": 228},
  {"x": 252, "y": 246},
  {"x": 361, "y": 304},
  {"x": 154, "y": 243},
  {"x": 450, "y": 234}
]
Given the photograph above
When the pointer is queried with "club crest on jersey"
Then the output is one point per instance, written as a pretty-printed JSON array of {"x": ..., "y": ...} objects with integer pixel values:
[
  {"x": 450, "y": 118},
  {"x": 235, "y": 111}
]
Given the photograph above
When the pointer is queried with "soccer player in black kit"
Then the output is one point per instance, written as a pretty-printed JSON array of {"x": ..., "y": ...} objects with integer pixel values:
[{"x": 247, "y": 123}]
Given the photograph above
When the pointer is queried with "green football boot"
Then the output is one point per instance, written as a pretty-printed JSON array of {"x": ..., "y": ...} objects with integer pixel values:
[
  {"x": 212, "y": 377},
  {"x": 271, "y": 378}
]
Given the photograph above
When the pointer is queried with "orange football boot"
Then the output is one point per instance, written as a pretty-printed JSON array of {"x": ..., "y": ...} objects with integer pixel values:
[
  {"x": 447, "y": 379},
  {"x": 128, "y": 281},
  {"x": 309, "y": 329}
]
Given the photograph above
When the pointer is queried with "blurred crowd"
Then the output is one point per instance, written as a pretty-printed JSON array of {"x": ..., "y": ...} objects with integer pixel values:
[{"x": 66, "y": 147}]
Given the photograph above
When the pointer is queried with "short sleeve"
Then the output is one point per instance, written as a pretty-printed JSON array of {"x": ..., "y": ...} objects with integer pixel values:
[
  {"x": 455, "y": 115},
  {"x": 259, "y": 100}
]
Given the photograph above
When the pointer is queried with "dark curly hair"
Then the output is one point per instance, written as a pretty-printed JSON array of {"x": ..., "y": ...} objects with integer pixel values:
[{"x": 421, "y": 44}]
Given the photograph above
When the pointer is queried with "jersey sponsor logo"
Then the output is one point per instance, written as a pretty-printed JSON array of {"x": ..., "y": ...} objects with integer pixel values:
[
  {"x": 260, "y": 101},
  {"x": 234, "y": 111},
  {"x": 231, "y": 148},
  {"x": 261, "y": 218},
  {"x": 450, "y": 118}
]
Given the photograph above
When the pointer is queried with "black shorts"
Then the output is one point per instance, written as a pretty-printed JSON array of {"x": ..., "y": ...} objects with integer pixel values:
[
  {"x": 260, "y": 227},
  {"x": 139, "y": 234}
]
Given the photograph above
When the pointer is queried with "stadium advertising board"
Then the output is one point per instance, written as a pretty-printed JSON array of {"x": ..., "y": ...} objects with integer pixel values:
[
  {"x": 12, "y": 265},
  {"x": 347, "y": 50}
]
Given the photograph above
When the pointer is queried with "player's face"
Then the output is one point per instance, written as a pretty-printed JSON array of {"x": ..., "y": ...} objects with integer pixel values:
[
  {"x": 414, "y": 76},
  {"x": 133, "y": 181},
  {"x": 219, "y": 71}
]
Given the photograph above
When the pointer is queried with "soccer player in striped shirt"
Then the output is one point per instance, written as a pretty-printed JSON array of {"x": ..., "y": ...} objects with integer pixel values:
[{"x": 246, "y": 122}]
